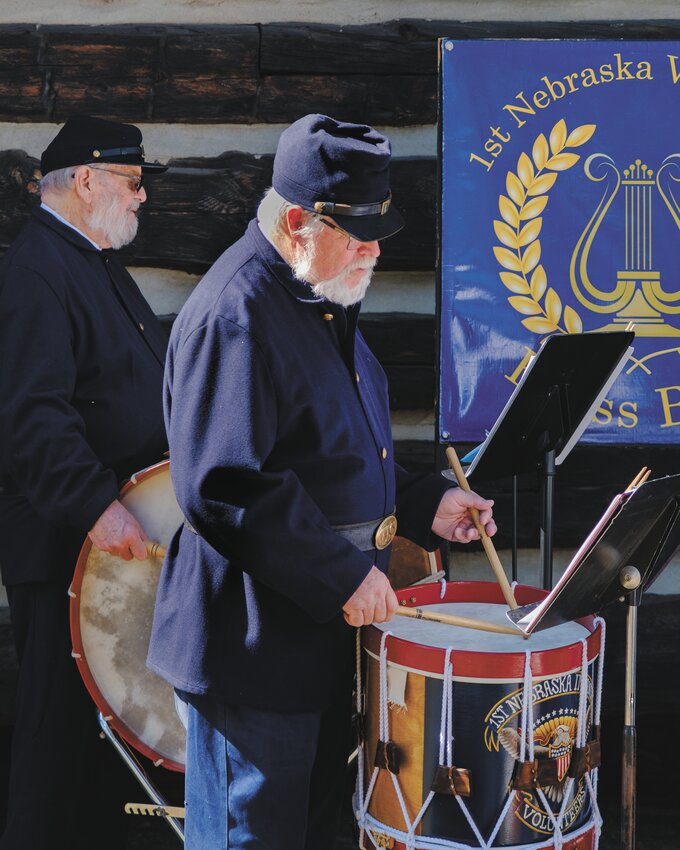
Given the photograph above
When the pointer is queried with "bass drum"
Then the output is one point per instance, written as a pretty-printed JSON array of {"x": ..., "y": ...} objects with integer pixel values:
[{"x": 112, "y": 604}]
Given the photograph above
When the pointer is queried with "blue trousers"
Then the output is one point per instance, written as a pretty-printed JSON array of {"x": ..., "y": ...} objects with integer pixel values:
[{"x": 264, "y": 779}]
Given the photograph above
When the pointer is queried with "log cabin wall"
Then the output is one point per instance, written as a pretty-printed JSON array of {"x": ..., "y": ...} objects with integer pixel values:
[{"x": 212, "y": 100}]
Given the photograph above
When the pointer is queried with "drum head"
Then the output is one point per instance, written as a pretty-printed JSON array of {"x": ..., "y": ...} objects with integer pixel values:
[{"x": 112, "y": 603}]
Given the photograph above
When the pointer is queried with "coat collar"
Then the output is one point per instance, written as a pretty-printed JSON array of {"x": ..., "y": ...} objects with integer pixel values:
[
  {"x": 68, "y": 233},
  {"x": 283, "y": 273}
]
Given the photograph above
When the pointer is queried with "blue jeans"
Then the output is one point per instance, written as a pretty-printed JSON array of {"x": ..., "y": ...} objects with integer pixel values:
[{"x": 263, "y": 779}]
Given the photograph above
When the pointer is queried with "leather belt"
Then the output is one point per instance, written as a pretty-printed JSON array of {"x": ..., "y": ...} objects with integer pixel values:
[{"x": 375, "y": 534}]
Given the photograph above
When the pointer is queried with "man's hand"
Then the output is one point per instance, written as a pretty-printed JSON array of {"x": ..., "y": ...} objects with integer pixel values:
[
  {"x": 118, "y": 532},
  {"x": 373, "y": 601},
  {"x": 453, "y": 520}
]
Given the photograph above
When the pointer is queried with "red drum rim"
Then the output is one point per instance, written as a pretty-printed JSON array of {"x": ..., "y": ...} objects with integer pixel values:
[
  {"x": 480, "y": 665},
  {"x": 99, "y": 699}
]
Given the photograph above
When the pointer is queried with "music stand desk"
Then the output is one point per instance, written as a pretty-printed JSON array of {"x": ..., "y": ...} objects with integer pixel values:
[
  {"x": 640, "y": 528},
  {"x": 627, "y": 550},
  {"x": 548, "y": 411}
]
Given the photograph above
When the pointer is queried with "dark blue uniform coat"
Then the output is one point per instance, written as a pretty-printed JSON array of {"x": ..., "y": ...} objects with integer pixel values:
[
  {"x": 81, "y": 370},
  {"x": 279, "y": 429}
]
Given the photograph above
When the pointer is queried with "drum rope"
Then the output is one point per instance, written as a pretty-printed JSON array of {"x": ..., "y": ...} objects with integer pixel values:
[
  {"x": 528, "y": 719},
  {"x": 593, "y": 776},
  {"x": 445, "y": 740},
  {"x": 448, "y": 696},
  {"x": 383, "y": 732},
  {"x": 385, "y": 728},
  {"x": 442, "y": 592},
  {"x": 368, "y": 824},
  {"x": 428, "y": 842},
  {"x": 360, "y": 738}
]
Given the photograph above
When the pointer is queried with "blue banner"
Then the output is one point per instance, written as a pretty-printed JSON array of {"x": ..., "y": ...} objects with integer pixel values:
[{"x": 560, "y": 183}]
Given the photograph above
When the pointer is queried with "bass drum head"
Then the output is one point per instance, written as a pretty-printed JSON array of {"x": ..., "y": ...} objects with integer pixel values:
[{"x": 112, "y": 604}]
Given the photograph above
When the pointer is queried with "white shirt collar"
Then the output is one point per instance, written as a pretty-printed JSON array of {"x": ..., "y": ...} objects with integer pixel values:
[{"x": 68, "y": 224}]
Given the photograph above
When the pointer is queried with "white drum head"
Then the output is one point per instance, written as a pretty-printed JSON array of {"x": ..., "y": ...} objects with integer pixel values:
[{"x": 111, "y": 612}]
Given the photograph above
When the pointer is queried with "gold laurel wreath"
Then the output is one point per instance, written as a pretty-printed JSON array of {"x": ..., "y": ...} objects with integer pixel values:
[{"x": 527, "y": 198}]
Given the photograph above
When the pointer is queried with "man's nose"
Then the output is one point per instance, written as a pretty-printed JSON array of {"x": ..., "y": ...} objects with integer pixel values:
[{"x": 370, "y": 249}]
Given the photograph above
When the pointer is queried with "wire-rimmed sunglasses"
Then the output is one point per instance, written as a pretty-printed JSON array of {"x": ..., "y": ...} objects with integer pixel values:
[
  {"x": 134, "y": 183},
  {"x": 352, "y": 242}
]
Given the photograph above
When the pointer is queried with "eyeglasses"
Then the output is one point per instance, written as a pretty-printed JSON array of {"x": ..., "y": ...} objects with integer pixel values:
[
  {"x": 134, "y": 183},
  {"x": 352, "y": 242}
]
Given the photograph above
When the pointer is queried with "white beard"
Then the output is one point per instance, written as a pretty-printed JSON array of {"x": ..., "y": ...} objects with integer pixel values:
[
  {"x": 117, "y": 226},
  {"x": 335, "y": 289}
]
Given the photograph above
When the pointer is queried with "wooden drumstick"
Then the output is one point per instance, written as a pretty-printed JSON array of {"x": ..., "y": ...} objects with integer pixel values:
[
  {"x": 489, "y": 548},
  {"x": 638, "y": 478},
  {"x": 154, "y": 550},
  {"x": 454, "y": 620}
]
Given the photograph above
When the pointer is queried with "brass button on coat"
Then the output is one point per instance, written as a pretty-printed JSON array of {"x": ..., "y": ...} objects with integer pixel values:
[
  {"x": 384, "y": 453},
  {"x": 328, "y": 317}
]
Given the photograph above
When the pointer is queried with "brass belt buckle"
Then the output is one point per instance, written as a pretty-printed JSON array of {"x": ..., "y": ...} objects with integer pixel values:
[{"x": 384, "y": 533}]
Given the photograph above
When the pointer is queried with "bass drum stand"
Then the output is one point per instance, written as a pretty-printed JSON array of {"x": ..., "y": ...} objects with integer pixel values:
[{"x": 158, "y": 807}]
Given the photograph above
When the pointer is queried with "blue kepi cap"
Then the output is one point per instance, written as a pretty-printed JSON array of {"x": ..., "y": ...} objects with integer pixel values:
[{"x": 341, "y": 170}]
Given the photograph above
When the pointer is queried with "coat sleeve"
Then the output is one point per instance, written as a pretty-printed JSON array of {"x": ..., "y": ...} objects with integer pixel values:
[
  {"x": 43, "y": 444},
  {"x": 232, "y": 481},
  {"x": 418, "y": 497}
]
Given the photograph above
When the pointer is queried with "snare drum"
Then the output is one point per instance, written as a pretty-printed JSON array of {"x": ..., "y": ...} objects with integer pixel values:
[
  {"x": 112, "y": 604},
  {"x": 478, "y": 739}
]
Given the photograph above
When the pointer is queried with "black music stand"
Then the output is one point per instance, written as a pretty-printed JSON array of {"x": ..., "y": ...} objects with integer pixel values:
[
  {"x": 626, "y": 551},
  {"x": 551, "y": 406}
]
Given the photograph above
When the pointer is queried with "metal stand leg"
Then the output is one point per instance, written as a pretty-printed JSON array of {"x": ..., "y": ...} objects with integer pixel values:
[
  {"x": 140, "y": 776},
  {"x": 514, "y": 528},
  {"x": 630, "y": 578},
  {"x": 548, "y": 488}
]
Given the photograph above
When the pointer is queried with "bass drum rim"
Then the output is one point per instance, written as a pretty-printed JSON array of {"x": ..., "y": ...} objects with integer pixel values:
[{"x": 108, "y": 713}]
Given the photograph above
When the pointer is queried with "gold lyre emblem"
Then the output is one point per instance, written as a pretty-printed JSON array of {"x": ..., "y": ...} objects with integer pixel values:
[
  {"x": 384, "y": 534},
  {"x": 638, "y": 295}
]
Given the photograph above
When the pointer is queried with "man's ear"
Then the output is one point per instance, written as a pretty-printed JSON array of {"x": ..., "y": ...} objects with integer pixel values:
[
  {"x": 295, "y": 219},
  {"x": 82, "y": 182}
]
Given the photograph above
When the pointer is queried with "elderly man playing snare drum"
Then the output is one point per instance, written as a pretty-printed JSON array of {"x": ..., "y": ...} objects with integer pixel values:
[
  {"x": 282, "y": 461},
  {"x": 81, "y": 365}
]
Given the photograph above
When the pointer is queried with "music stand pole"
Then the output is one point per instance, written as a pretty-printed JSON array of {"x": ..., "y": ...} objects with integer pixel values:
[
  {"x": 630, "y": 579},
  {"x": 549, "y": 470},
  {"x": 514, "y": 527}
]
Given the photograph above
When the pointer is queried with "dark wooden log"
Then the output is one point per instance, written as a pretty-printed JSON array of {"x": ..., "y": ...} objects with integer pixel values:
[
  {"x": 396, "y": 100},
  {"x": 389, "y": 49},
  {"x": 21, "y": 79},
  {"x": 409, "y": 45},
  {"x": 585, "y": 484},
  {"x": 380, "y": 73},
  {"x": 208, "y": 75},
  {"x": 400, "y": 338},
  {"x": 201, "y": 206}
]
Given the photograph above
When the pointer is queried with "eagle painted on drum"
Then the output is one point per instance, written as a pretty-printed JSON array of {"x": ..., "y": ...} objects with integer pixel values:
[{"x": 553, "y": 738}]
